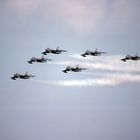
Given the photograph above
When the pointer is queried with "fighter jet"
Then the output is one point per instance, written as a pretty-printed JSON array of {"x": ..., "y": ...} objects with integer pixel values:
[
  {"x": 74, "y": 69},
  {"x": 22, "y": 76},
  {"x": 129, "y": 57},
  {"x": 54, "y": 51},
  {"x": 93, "y": 53},
  {"x": 40, "y": 60}
]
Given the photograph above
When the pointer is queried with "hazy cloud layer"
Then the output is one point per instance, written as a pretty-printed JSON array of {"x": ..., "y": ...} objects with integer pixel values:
[
  {"x": 124, "y": 11},
  {"x": 24, "y": 7},
  {"x": 80, "y": 15}
]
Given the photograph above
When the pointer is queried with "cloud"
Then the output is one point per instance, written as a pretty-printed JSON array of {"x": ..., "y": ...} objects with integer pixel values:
[
  {"x": 83, "y": 16},
  {"x": 124, "y": 11},
  {"x": 24, "y": 7},
  {"x": 80, "y": 15}
]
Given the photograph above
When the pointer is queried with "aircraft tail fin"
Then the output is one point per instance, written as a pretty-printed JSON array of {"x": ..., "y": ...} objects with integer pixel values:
[
  {"x": 136, "y": 55},
  {"x": 57, "y": 48}
]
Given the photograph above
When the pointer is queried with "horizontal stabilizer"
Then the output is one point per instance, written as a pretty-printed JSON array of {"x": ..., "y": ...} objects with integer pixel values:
[
  {"x": 13, "y": 78},
  {"x": 30, "y": 62},
  {"x": 123, "y": 59},
  {"x": 64, "y": 71},
  {"x": 83, "y": 55}
]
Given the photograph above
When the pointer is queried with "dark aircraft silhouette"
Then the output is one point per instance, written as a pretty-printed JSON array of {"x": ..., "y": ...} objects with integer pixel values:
[
  {"x": 93, "y": 53},
  {"x": 40, "y": 60},
  {"x": 54, "y": 51},
  {"x": 22, "y": 76},
  {"x": 74, "y": 69},
  {"x": 129, "y": 57}
]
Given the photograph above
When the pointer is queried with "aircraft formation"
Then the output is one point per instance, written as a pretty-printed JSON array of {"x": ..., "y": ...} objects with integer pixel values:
[{"x": 68, "y": 68}]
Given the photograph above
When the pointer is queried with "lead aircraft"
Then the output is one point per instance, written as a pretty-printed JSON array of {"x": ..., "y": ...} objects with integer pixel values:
[
  {"x": 92, "y": 53},
  {"x": 74, "y": 69}
]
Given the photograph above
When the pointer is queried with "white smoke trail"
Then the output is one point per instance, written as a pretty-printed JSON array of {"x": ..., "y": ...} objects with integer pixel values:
[
  {"x": 86, "y": 83},
  {"x": 110, "y": 66},
  {"x": 109, "y": 58},
  {"x": 104, "y": 63},
  {"x": 108, "y": 70},
  {"x": 108, "y": 80},
  {"x": 111, "y": 80}
]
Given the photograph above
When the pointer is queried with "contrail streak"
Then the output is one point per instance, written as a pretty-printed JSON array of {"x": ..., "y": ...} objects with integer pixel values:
[
  {"x": 110, "y": 58},
  {"x": 107, "y": 80},
  {"x": 108, "y": 70},
  {"x": 121, "y": 67},
  {"x": 86, "y": 83}
]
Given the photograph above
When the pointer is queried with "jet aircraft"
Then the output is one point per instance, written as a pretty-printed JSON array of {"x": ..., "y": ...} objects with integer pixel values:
[
  {"x": 40, "y": 60},
  {"x": 129, "y": 57},
  {"x": 22, "y": 76},
  {"x": 93, "y": 53},
  {"x": 74, "y": 69},
  {"x": 54, "y": 51}
]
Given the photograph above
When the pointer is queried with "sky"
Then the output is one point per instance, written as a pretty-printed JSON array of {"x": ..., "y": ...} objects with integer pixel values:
[{"x": 99, "y": 103}]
